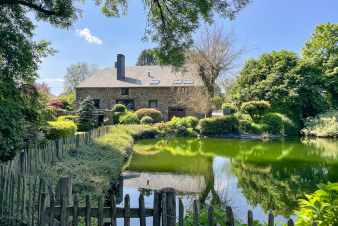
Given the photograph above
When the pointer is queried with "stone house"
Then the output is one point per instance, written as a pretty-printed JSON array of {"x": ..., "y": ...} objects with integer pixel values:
[{"x": 137, "y": 87}]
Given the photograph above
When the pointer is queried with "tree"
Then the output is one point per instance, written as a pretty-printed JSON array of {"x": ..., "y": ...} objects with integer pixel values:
[
  {"x": 214, "y": 56},
  {"x": 171, "y": 23},
  {"x": 148, "y": 57},
  {"x": 87, "y": 119},
  {"x": 77, "y": 73},
  {"x": 292, "y": 88},
  {"x": 321, "y": 51}
]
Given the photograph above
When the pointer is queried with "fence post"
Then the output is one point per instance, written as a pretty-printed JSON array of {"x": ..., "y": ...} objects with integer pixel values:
[
  {"x": 65, "y": 191},
  {"x": 42, "y": 209},
  {"x": 250, "y": 218},
  {"x": 180, "y": 212},
  {"x": 76, "y": 210},
  {"x": 126, "y": 210},
  {"x": 170, "y": 204},
  {"x": 157, "y": 209},
  {"x": 271, "y": 221},
  {"x": 142, "y": 211},
  {"x": 210, "y": 216},
  {"x": 88, "y": 210},
  {"x": 113, "y": 211},
  {"x": 230, "y": 221},
  {"x": 100, "y": 211},
  {"x": 196, "y": 220}
]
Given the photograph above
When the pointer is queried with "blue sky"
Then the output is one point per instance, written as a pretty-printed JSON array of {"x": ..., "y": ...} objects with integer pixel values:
[{"x": 263, "y": 26}]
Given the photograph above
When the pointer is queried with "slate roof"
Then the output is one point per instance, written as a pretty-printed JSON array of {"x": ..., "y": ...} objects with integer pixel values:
[{"x": 143, "y": 76}]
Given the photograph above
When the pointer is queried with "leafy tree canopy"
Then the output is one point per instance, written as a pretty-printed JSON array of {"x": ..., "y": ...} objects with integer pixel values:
[
  {"x": 321, "y": 50},
  {"x": 171, "y": 22},
  {"x": 148, "y": 57},
  {"x": 292, "y": 87}
]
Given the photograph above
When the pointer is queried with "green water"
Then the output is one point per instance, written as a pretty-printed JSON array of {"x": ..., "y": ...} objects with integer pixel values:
[{"x": 246, "y": 174}]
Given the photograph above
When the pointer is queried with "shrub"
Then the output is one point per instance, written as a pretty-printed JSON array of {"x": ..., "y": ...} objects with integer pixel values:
[
  {"x": 320, "y": 206},
  {"x": 323, "y": 125},
  {"x": 187, "y": 122},
  {"x": 87, "y": 119},
  {"x": 60, "y": 128},
  {"x": 147, "y": 120},
  {"x": 218, "y": 101},
  {"x": 119, "y": 108},
  {"x": 129, "y": 118},
  {"x": 55, "y": 103},
  {"x": 218, "y": 125},
  {"x": 277, "y": 123},
  {"x": 256, "y": 109},
  {"x": 156, "y": 115},
  {"x": 228, "y": 108}
]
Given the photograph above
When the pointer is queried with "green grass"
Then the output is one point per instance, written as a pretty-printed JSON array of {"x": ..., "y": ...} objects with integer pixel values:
[{"x": 92, "y": 167}]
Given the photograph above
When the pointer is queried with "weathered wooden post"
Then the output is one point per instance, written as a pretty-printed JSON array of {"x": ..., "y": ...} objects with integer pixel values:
[
  {"x": 180, "y": 213},
  {"x": 100, "y": 211},
  {"x": 169, "y": 204},
  {"x": 42, "y": 210},
  {"x": 142, "y": 211},
  {"x": 88, "y": 211},
  {"x": 65, "y": 198},
  {"x": 250, "y": 218},
  {"x": 76, "y": 210},
  {"x": 113, "y": 211},
  {"x": 157, "y": 209},
  {"x": 230, "y": 221},
  {"x": 196, "y": 218},
  {"x": 271, "y": 221},
  {"x": 127, "y": 210}
]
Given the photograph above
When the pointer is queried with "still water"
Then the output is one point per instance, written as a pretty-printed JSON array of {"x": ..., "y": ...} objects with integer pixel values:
[{"x": 246, "y": 174}]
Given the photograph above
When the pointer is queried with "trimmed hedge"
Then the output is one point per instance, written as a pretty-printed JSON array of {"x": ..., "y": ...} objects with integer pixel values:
[
  {"x": 156, "y": 115},
  {"x": 187, "y": 122},
  {"x": 147, "y": 120},
  {"x": 256, "y": 109},
  {"x": 60, "y": 128},
  {"x": 119, "y": 108},
  {"x": 129, "y": 118},
  {"x": 219, "y": 126}
]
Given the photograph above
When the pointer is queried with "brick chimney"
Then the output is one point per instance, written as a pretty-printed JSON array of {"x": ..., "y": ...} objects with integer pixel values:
[{"x": 120, "y": 67}]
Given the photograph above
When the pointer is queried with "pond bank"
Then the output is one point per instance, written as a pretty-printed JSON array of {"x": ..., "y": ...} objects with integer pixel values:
[{"x": 93, "y": 166}]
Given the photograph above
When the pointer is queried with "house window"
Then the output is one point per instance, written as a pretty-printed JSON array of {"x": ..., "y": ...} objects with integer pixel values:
[
  {"x": 153, "y": 103},
  {"x": 125, "y": 91},
  {"x": 96, "y": 103}
]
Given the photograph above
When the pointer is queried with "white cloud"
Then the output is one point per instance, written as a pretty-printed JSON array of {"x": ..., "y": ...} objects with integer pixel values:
[{"x": 87, "y": 35}]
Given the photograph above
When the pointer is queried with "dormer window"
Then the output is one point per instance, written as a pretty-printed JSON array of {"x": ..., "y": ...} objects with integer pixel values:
[{"x": 124, "y": 91}]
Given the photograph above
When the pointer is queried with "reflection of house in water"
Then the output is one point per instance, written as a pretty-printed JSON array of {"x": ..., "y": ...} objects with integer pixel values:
[{"x": 193, "y": 184}]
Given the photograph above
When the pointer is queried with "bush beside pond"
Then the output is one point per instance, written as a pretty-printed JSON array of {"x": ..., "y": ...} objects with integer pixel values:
[
  {"x": 60, "y": 128},
  {"x": 219, "y": 126},
  {"x": 323, "y": 125}
]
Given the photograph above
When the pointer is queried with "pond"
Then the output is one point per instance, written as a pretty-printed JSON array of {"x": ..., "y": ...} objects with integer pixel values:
[{"x": 245, "y": 174}]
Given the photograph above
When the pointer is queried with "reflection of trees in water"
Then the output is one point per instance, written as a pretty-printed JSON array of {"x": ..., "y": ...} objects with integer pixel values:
[
  {"x": 326, "y": 148},
  {"x": 278, "y": 186}
]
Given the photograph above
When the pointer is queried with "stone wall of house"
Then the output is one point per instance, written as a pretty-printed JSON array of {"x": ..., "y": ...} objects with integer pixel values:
[{"x": 166, "y": 97}]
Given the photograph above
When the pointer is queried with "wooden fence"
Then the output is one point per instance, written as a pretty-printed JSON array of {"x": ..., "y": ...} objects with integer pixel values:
[
  {"x": 23, "y": 181},
  {"x": 163, "y": 211}
]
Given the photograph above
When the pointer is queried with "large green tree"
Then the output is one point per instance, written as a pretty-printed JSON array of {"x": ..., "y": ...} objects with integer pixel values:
[
  {"x": 321, "y": 51},
  {"x": 20, "y": 106},
  {"x": 292, "y": 87}
]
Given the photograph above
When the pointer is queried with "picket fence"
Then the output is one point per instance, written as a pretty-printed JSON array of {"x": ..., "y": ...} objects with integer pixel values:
[{"x": 23, "y": 180}]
